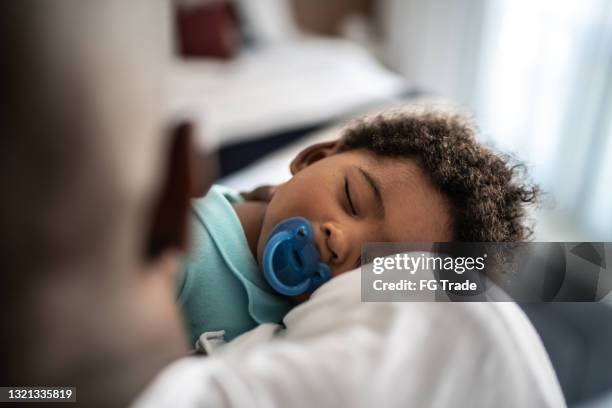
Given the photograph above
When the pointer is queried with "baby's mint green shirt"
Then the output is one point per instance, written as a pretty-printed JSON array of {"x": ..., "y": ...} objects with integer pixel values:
[{"x": 221, "y": 286}]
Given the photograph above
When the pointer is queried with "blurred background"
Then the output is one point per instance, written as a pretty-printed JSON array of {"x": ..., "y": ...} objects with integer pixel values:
[{"x": 261, "y": 78}]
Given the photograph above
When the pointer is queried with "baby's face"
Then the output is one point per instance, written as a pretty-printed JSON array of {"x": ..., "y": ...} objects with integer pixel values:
[{"x": 356, "y": 197}]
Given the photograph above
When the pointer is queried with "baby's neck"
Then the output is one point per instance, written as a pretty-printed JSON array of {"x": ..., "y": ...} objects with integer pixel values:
[{"x": 251, "y": 215}]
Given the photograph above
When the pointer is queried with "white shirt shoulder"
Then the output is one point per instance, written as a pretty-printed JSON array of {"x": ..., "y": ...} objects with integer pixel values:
[{"x": 337, "y": 351}]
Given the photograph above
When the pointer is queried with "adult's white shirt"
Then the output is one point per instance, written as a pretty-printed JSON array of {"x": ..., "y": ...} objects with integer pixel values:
[{"x": 337, "y": 351}]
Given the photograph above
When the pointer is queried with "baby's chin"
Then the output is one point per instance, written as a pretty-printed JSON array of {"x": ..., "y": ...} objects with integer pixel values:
[{"x": 300, "y": 298}]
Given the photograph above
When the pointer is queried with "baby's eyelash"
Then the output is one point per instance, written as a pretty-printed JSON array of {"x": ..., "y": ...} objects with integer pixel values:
[{"x": 347, "y": 192}]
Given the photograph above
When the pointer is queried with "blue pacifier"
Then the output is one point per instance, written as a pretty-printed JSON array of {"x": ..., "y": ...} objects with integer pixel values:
[{"x": 291, "y": 262}]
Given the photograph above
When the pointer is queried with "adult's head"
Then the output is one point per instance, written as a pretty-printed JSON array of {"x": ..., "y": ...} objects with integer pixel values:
[{"x": 87, "y": 296}]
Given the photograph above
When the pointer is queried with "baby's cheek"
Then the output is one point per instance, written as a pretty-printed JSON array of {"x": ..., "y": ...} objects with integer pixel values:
[{"x": 289, "y": 203}]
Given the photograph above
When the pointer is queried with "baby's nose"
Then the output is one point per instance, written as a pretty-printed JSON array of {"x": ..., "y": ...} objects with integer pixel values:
[{"x": 336, "y": 242}]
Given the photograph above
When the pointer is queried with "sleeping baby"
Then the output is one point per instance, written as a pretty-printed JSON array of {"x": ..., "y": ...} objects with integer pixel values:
[{"x": 412, "y": 175}]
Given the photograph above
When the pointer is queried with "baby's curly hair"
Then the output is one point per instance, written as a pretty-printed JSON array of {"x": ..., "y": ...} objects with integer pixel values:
[{"x": 486, "y": 190}]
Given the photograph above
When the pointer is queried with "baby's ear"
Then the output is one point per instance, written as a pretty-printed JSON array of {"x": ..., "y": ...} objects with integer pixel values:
[{"x": 313, "y": 154}]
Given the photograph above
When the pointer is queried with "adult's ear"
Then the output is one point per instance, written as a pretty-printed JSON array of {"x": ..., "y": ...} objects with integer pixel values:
[
  {"x": 312, "y": 154},
  {"x": 189, "y": 173}
]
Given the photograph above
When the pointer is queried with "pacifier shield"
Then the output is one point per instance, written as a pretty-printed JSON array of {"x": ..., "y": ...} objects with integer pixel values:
[{"x": 291, "y": 262}]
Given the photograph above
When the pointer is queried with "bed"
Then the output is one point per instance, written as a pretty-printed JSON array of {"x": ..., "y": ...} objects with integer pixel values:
[{"x": 270, "y": 96}]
